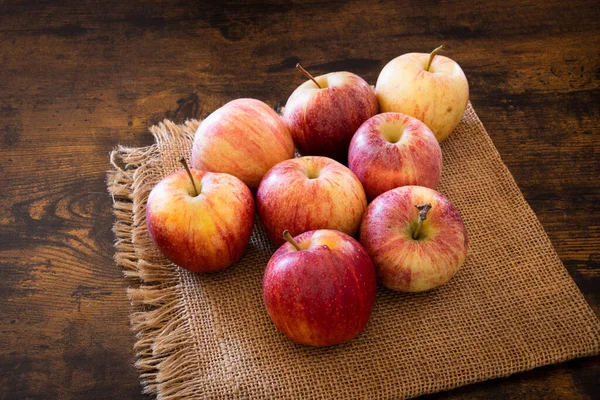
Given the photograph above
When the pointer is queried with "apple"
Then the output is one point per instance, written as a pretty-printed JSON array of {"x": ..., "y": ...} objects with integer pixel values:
[
  {"x": 393, "y": 149},
  {"x": 200, "y": 221},
  {"x": 319, "y": 288},
  {"x": 309, "y": 193},
  {"x": 244, "y": 138},
  {"x": 431, "y": 88},
  {"x": 324, "y": 112},
  {"x": 416, "y": 238}
]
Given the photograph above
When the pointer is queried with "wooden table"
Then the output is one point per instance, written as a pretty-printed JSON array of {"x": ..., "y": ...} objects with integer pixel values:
[{"x": 78, "y": 79}]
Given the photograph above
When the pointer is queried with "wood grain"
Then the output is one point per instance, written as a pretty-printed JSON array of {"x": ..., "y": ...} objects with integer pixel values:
[{"x": 78, "y": 78}]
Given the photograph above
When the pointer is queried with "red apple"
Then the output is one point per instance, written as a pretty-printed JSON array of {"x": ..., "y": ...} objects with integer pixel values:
[
  {"x": 244, "y": 138},
  {"x": 204, "y": 226},
  {"x": 309, "y": 193},
  {"x": 323, "y": 113},
  {"x": 393, "y": 149},
  {"x": 431, "y": 88},
  {"x": 319, "y": 288},
  {"x": 416, "y": 238}
]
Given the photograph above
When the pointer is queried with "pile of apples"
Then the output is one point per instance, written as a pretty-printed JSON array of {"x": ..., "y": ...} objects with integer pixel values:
[{"x": 319, "y": 286}]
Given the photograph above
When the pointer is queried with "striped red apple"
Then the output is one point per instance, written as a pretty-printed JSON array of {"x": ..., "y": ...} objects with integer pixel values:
[
  {"x": 309, "y": 193},
  {"x": 323, "y": 113},
  {"x": 200, "y": 221},
  {"x": 393, "y": 149},
  {"x": 319, "y": 288},
  {"x": 416, "y": 238},
  {"x": 244, "y": 138}
]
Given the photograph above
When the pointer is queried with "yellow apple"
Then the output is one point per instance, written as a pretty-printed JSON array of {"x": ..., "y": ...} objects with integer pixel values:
[{"x": 429, "y": 87}]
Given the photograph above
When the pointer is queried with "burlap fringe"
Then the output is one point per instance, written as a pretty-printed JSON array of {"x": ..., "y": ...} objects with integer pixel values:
[{"x": 159, "y": 320}]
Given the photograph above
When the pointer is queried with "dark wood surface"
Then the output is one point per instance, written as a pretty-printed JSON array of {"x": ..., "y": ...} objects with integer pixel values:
[{"x": 78, "y": 79}]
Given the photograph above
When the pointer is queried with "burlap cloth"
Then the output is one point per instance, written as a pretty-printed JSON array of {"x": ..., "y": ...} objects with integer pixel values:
[{"x": 512, "y": 306}]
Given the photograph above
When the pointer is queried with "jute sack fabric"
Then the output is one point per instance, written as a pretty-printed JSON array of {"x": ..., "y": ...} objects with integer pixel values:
[{"x": 512, "y": 306}]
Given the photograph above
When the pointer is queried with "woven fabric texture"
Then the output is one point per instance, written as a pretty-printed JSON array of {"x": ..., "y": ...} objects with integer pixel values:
[{"x": 512, "y": 306}]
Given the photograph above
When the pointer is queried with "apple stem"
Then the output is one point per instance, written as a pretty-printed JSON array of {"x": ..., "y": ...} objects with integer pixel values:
[
  {"x": 290, "y": 239},
  {"x": 432, "y": 56},
  {"x": 423, "y": 210},
  {"x": 185, "y": 165},
  {"x": 307, "y": 74}
]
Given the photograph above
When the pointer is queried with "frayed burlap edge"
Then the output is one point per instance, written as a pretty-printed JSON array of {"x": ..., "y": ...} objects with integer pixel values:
[{"x": 159, "y": 318}]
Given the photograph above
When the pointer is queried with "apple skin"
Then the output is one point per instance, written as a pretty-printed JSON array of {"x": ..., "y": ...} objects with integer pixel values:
[
  {"x": 324, "y": 294},
  {"x": 309, "y": 193},
  {"x": 203, "y": 233},
  {"x": 437, "y": 97},
  {"x": 244, "y": 138},
  {"x": 393, "y": 149},
  {"x": 403, "y": 263},
  {"x": 322, "y": 121}
]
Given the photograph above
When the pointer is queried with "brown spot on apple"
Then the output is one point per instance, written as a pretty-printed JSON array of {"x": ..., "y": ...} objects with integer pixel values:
[{"x": 449, "y": 109}]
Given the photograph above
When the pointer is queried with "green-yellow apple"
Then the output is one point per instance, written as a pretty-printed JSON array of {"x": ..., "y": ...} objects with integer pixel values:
[
  {"x": 393, "y": 149},
  {"x": 200, "y": 221},
  {"x": 416, "y": 238},
  {"x": 429, "y": 87},
  {"x": 309, "y": 193},
  {"x": 244, "y": 138},
  {"x": 319, "y": 288},
  {"x": 324, "y": 112}
]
